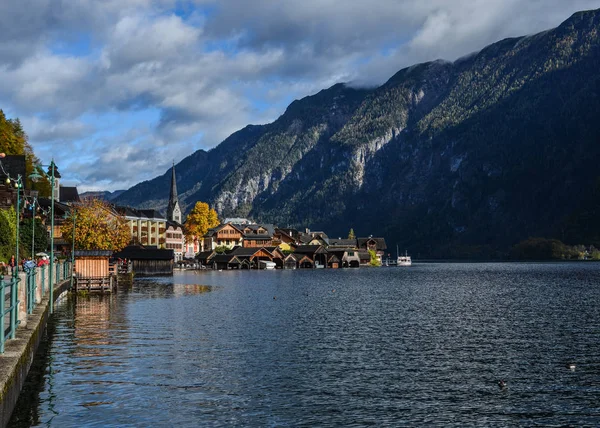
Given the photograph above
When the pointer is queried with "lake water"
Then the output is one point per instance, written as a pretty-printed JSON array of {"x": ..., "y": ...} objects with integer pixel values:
[{"x": 419, "y": 346}]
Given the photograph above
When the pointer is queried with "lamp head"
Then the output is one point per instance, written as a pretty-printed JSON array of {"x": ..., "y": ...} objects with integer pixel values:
[{"x": 35, "y": 177}]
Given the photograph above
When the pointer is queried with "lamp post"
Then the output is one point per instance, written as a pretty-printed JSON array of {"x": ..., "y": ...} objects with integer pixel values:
[
  {"x": 18, "y": 184},
  {"x": 35, "y": 176}
]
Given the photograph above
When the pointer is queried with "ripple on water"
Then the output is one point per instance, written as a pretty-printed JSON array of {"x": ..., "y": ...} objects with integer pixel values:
[{"x": 400, "y": 347}]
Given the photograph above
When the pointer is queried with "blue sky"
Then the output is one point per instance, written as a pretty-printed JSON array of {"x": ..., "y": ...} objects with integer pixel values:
[{"x": 115, "y": 90}]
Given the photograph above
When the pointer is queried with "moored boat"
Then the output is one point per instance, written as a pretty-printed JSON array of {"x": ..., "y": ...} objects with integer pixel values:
[{"x": 404, "y": 260}]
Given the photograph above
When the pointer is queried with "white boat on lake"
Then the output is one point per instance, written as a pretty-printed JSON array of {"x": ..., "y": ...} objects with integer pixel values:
[{"x": 404, "y": 260}]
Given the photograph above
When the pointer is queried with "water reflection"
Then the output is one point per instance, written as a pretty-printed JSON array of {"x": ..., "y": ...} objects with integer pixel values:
[{"x": 423, "y": 346}]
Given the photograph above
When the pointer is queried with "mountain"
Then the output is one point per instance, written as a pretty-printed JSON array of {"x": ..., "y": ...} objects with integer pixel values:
[
  {"x": 104, "y": 195},
  {"x": 447, "y": 159}
]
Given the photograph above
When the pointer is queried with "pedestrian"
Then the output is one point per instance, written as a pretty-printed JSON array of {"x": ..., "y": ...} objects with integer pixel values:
[{"x": 12, "y": 265}]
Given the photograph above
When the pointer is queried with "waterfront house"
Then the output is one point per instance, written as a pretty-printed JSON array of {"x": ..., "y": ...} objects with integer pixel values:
[
  {"x": 92, "y": 272},
  {"x": 257, "y": 235},
  {"x": 374, "y": 244},
  {"x": 364, "y": 257},
  {"x": 225, "y": 262},
  {"x": 333, "y": 261},
  {"x": 291, "y": 261},
  {"x": 304, "y": 261},
  {"x": 317, "y": 254},
  {"x": 284, "y": 240},
  {"x": 278, "y": 256},
  {"x": 348, "y": 257},
  {"x": 250, "y": 257},
  {"x": 148, "y": 260},
  {"x": 175, "y": 240},
  {"x": 224, "y": 235},
  {"x": 204, "y": 257}
]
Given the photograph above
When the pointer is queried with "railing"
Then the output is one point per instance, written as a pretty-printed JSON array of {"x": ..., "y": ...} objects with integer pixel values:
[
  {"x": 12, "y": 311},
  {"x": 9, "y": 296}
]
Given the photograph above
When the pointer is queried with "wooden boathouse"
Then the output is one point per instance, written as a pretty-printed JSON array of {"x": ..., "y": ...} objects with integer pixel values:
[
  {"x": 147, "y": 260},
  {"x": 92, "y": 272}
]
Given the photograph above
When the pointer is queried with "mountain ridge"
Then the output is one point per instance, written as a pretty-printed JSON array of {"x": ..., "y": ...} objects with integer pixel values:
[{"x": 463, "y": 156}]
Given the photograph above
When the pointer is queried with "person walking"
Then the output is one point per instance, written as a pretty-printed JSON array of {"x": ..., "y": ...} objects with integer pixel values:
[{"x": 12, "y": 265}]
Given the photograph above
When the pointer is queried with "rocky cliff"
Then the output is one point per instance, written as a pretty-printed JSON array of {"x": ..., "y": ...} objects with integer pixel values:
[{"x": 445, "y": 159}]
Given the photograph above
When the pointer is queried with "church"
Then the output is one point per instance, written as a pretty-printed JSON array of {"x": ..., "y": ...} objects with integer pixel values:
[{"x": 174, "y": 236}]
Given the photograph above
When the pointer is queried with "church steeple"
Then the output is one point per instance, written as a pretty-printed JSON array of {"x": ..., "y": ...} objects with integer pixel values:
[{"x": 173, "y": 210}]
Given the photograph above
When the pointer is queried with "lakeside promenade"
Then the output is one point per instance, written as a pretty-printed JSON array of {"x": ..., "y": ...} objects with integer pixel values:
[{"x": 19, "y": 352}]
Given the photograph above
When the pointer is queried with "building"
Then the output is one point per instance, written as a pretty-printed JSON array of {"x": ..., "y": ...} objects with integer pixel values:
[
  {"x": 372, "y": 244},
  {"x": 147, "y": 227},
  {"x": 257, "y": 235},
  {"x": 224, "y": 235}
]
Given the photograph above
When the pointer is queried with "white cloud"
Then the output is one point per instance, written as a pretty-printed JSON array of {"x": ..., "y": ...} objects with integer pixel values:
[{"x": 207, "y": 75}]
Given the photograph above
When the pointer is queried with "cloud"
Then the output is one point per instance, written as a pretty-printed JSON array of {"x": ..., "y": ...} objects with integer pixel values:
[{"x": 117, "y": 89}]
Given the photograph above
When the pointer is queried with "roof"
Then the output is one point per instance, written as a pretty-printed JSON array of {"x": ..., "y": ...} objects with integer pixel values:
[
  {"x": 241, "y": 251},
  {"x": 92, "y": 253},
  {"x": 225, "y": 258},
  {"x": 133, "y": 212},
  {"x": 174, "y": 224},
  {"x": 140, "y": 253},
  {"x": 213, "y": 230},
  {"x": 345, "y": 243},
  {"x": 309, "y": 249},
  {"x": 380, "y": 242},
  {"x": 270, "y": 228},
  {"x": 205, "y": 255},
  {"x": 299, "y": 257},
  {"x": 69, "y": 194}
]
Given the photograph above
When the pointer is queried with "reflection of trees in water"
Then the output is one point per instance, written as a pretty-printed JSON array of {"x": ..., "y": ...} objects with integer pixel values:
[
  {"x": 157, "y": 289},
  {"x": 190, "y": 289}
]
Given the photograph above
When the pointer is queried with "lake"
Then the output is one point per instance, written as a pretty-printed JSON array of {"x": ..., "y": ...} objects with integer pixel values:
[{"x": 418, "y": 346}]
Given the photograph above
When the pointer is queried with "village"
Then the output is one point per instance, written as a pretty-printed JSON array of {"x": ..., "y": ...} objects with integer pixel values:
[{"x": 158, "y": 244}]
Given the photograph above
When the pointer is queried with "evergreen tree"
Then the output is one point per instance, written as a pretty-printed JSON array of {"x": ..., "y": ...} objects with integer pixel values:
[{"x": 351, "y": 234}]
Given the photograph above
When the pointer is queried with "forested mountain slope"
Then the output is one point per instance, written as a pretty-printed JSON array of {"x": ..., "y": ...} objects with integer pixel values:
[{"x": 446, "y": 159}]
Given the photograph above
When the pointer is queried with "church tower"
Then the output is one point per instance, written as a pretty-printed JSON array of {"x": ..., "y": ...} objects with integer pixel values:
[{"x": 174, "y": 210}]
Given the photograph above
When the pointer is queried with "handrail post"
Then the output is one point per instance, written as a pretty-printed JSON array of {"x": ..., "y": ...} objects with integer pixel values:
[
  {"x": 2, "y": 301},
  {"x": 13, "y": 304}
]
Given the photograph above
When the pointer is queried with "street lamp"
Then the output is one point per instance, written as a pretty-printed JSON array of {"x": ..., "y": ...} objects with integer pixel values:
[
  {"x": 18, "y": 183},
  {"x": 36, "y": 177}
]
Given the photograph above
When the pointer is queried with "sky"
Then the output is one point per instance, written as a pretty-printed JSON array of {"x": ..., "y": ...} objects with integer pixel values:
[{"x": 117, "y": 90}]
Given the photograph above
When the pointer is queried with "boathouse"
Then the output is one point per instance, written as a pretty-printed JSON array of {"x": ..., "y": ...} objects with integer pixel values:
[{"x": 148, "y": 261}]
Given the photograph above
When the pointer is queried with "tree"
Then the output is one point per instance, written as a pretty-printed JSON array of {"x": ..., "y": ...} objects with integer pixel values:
[
  {"x": 200, "y": 219},
  {"x": 8, "y": 232},
  {"x": 98, "y": 227},
  {"x": 351, "y": 234},
  {"x": 374, "y": 260},
  {"x": 41, "y": 236}
]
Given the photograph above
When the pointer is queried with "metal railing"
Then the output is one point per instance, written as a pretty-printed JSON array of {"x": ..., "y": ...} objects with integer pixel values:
[
  {"x": 10, "y": 288},
  {"x": 9, "y": 292}
]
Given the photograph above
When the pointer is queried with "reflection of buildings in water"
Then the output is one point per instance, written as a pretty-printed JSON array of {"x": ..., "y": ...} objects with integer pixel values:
[
  {"x": 190, "y": 289},
  {"x": 98, "y": 326}
]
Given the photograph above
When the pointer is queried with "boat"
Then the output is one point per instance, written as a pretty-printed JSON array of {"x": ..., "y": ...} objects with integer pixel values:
[
  {"x": 263, "y": 264},
  {"x": 404, "y": 260}
]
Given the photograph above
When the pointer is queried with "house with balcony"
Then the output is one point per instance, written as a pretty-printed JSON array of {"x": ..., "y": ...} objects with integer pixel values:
[
  {"x": 224, "y": 235},
  {"x": 147, "y": 227}
]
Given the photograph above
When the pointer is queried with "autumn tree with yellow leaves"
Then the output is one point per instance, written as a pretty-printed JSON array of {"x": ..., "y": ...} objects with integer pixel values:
[
  {"x": 200, "y": 219},
  {"x": 97, "y": 227}
]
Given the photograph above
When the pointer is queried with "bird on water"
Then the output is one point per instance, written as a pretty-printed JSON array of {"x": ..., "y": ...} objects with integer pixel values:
[
  {"x": 501, "y": 384},
  {"x": 571, "y": 366}
]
